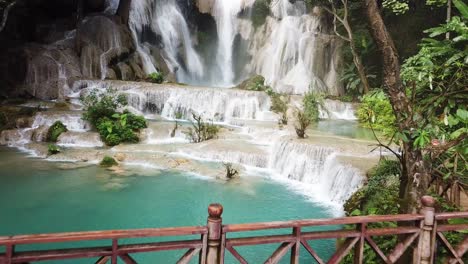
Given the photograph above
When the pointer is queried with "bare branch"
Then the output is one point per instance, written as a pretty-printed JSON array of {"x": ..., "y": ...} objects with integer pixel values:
[{"x": 5, "y": 15}]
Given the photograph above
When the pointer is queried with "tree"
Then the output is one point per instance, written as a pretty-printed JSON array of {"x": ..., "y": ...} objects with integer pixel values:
[
  {"x": 343, "y": 20},
  {"x": 415, "y": 177}
]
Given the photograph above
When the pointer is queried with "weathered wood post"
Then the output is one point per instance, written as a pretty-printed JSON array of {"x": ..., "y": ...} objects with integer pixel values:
[
  {"x": 426, "y": 247},
  {"x": 213, "y": 255}
]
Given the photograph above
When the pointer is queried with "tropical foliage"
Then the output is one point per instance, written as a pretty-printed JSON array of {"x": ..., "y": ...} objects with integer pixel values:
[{"x": 101, "y": 110}]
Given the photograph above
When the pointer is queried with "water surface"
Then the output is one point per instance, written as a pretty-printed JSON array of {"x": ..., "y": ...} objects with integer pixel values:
[{"x": 43, "y": 197}]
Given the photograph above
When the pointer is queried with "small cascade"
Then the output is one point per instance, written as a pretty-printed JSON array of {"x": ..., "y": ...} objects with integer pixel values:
[
  {"x": 72, "y": 120},
  {"x": 337, "y": 110},
  {"x": 16, "y": 137},
  {"x": 214, "y": 104},
  {"x": 80, "y": 139},
  {"x": 316, "y": 166}
]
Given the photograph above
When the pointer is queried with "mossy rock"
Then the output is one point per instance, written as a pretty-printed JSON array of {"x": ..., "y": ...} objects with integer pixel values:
[
  {"x": 255, "y": 83},
  {"x": 260, "y": 11},
  {"x": 108, "y": 162},
  {"x": 55, "y": 131},
  {"x": 53, "y": 149}
]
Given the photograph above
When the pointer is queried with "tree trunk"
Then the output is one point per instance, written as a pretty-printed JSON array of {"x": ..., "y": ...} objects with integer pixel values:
[
  {"x": 360, "y": 68},
  {"x": 414, "y": 179},
  {"x": 124, "y": 10}
]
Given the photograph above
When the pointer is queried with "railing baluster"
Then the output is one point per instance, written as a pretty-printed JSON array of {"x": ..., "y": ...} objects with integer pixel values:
[
  {"x": 185, "y": 259},
  {"x": 102, "y": 260},
  {"x": 128, "y": 259},
  {"x": 297, "y": 246},
  {"x": 202, "y": 258},
  {"x": 10, "y": 251},
  {"x": 114, "y": 251},
  {"x": 359, "y": 247}
]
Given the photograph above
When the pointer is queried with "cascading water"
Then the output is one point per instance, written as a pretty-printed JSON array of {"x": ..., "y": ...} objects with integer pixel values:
[
  {"x": 225, "y": 14},
  {"x": 337, "y": 110},
  {"x": 165, "y": 19},
  {"x": 292, "y": 50},
  {"x": 316, "y": 166},
  {"x": 212, "y": 104}
]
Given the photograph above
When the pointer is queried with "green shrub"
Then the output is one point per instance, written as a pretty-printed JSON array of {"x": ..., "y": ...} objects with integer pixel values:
[
  {"x": 279, "y": 105},
  {"x": 108, "y": 162},
  {"x": 52, "y": 149},
  {"x": 114, "y": 127},
  {"x": 312, "y": 103},
  {"x": 201, "y": 130},
  {"x": 302, "y": 123},
  {"x": 156, "y": 77},
  {"x": 376, "y": 111},
  {"x": 102, "y": 104},
  {"x": 55, "y": 131}
]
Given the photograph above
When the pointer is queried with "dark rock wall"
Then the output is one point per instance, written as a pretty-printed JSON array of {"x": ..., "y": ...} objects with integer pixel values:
[{"x": 47, "y": 44}]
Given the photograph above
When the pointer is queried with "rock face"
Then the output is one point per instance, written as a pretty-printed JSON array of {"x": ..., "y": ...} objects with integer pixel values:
[{"x": 44, "y": 47}]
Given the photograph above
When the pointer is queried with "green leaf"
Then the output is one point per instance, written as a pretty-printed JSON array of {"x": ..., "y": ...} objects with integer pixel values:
[{"x": 462, "y": 7}]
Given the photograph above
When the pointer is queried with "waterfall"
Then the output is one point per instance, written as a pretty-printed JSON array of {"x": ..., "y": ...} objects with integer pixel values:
[
  {"x": 213, "y": 104},
  {"x": 175, "y": 34},
  {"x": 293, "y": 54},
  {"x": 80, "y": 139},
  {"x": 292, "y": 50},
  {"x": 316, "y": 166},
  {"x": 72, "y": 120},
  {"x": 225, "y": 13},
  {"x": 164, "y": 19},
  {"x": 337, "y": 110}
]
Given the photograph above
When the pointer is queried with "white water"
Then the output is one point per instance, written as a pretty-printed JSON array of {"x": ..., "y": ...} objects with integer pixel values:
[
  {"x": 165, "y": 19},
  {"x": 72, "y": 120},
  {"x": 316, "y": 167},
  {"x": 291, "y": 50},
  {"x": 294, "y": 55},
  {"x": 337, "y": 110},
  {"x": 213, "y": 104},
  {"x": 79, "y": 139},
  {"x": 225, "y": 14}
]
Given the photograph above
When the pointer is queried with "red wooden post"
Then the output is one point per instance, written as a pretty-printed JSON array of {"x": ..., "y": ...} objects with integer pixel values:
[
  {"x": 426, "y": 247},
  {"x": 214, "y": 225}
]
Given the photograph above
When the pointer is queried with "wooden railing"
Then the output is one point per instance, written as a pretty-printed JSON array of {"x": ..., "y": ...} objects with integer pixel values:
[{"x": 422, "y": 234}]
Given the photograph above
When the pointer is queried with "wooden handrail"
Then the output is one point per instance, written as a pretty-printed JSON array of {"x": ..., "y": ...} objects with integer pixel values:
[
  {"x": 213, "y": 241},
  {"x": 322, "y": 222},
  {"x": 102, "y": 235}
]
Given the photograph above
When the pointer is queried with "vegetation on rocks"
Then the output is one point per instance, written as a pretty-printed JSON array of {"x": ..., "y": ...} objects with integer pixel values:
[
  {"x": 156, "y": 77},
  {"x": 279, "y": 105},
  {"x": 55, "y": 131},
  {"x": 231, "y": 172},
  {"x": 201, "y": 130},
  {"x": 101, "y": 110},
  {"x": 302, "y": 123},
  {"x": 53, "y": 149},
  {"x": 312, "y": 103},
  {"x": 108, "y": 161},
  {"x": 375, "y": 111}
]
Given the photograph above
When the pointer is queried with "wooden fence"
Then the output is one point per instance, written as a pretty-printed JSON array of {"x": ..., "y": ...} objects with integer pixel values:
[{"x": 423, "y": 234}]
